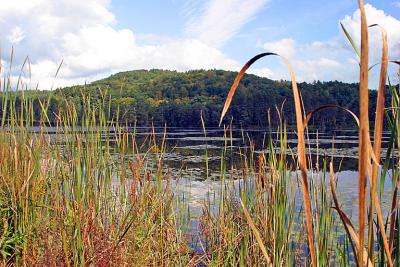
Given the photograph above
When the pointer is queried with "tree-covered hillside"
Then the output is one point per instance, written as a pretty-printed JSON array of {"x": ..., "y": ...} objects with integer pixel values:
[{"x": 161, "y": 97}]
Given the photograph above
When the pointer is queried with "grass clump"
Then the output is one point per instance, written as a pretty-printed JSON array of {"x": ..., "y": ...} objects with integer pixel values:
[{"x": 70, "y": 194}]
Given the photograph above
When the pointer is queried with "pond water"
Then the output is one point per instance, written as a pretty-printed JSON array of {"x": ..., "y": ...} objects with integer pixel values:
[
  {"x": 186, "y": 160},
  {"x": 189, "y": 151}
]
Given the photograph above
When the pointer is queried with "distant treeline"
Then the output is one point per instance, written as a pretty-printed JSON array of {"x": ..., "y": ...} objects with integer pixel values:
[{"x": 158, "y": 97}]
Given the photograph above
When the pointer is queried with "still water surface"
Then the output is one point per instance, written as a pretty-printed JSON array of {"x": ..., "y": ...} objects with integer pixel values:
[
  {"x": 186, "y": 160},
  {"x": 188, "y": 150}
]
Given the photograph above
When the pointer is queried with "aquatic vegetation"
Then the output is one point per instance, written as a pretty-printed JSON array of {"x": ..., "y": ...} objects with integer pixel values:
[{"x": 79, "y": 186}]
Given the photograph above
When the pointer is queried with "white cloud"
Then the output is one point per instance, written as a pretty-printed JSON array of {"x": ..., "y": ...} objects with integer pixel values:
[
  {"x": 220, "y": 20},
  {"x": 396, "y": 4},
  {"x": 284, "y": 47},
  {"x": 376, "y": 16},
  {"x": 262, "y": 72},
  {"x": 389, "y": 23},
  {"x": 16, "y": 35},
  {"x": 82, "y": 34},
  {"x": 312, "y": 61},
  {"x": 319, "y": 69},
  {"x": 334, "y": 59}
]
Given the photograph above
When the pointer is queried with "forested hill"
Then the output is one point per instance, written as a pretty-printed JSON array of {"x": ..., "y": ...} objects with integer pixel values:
[{"x": 176, "y": 98}]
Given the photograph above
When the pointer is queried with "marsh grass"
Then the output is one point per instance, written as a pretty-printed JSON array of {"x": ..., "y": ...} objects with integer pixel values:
[
  {"x": 77, "y": 197},
  {"x": 92, "y": 194},
  {"x": 368, "y": 159}
]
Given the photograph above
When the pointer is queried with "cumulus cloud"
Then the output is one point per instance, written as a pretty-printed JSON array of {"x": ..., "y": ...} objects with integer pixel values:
[
  {"x": 334, "y": 59},
  {"x": 262, "y": 72},
  {"x": 84, "y": 36},
  {"x": 312, "y": 61},
  {"x": 284, "y": 47},
  {"x": 16, "y": 35},
  {"x": 376, "y": 16}
]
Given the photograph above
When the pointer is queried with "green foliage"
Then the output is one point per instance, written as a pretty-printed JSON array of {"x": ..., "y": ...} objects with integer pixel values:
[
  {"x": 10, "y": 240},
  {"x": 158, "y": 97}
]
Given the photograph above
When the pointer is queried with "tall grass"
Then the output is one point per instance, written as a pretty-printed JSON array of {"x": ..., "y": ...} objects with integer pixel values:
[
  {"x": 87, "y": 191},
  {"x": 369, "y": 157},
  {"x": 81, "y": 195}
]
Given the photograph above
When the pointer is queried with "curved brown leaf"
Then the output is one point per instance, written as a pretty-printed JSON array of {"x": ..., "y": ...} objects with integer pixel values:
[
  {"x": 348, "y": 226},
  {"x": 388, "y": 61},
  {"x": 237, "y": 80},
  {"x": 312, "y": 113},
  {"x": 302, "y": 159}
]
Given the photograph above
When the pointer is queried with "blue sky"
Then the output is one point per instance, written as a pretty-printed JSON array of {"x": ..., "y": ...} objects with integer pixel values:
[{"x": 96, "y": 38}]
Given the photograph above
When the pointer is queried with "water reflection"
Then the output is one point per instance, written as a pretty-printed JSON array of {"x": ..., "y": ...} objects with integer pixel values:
[{"x": 189, "y": 151}]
